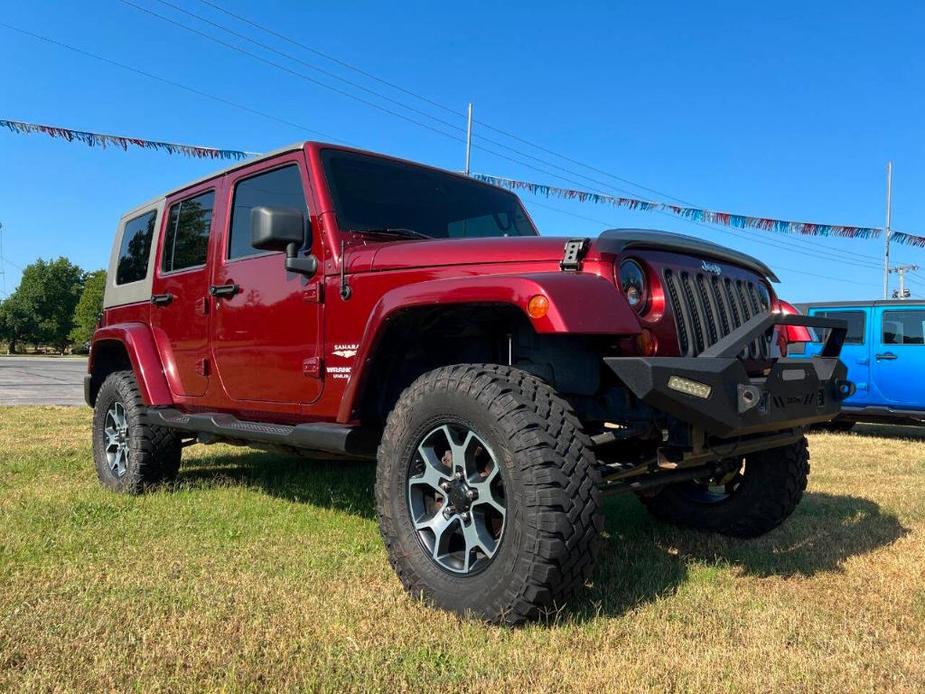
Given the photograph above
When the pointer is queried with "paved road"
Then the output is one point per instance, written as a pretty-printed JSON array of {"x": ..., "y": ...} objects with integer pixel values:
[{"x": 41, "y": 381}]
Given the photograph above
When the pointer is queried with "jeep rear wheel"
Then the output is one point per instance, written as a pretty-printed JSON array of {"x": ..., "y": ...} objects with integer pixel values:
[
  {"x": 747, "y": 500},
  {"x": 487, "y": 493},
  {"x": 129, "y": 454}
]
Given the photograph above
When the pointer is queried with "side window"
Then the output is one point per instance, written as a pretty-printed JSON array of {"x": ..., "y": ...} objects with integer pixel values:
[
  {"x": 904, "y": 327},
  {"x": 857, "y": 321},
  {"x": 136, "y": 246},
  {"x": 186, "y": 238},
  {"x": 276, "y": 188}
]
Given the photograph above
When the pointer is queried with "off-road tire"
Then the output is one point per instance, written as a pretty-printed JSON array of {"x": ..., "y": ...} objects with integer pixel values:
[
  {"x": 153, "y": 452},
  {"x": 553, "y": 517},
  {"x": 772, "y": 486}
]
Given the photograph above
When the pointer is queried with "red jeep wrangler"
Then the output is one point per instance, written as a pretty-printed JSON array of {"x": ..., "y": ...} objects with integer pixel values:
[{"x": 325, "y": 300}]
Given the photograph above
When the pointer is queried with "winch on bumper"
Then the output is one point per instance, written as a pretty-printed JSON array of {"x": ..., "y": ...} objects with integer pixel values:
[{"x": 713, "y": 392}]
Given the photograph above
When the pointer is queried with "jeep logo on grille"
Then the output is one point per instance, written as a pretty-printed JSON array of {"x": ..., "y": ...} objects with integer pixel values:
[{"x": 711, "y": 267}]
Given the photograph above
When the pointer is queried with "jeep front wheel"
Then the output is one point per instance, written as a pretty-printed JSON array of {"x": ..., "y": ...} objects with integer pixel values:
[
  {"x": 487, "y": 493},
  {"x": 129, "y": 454},
  {"x": 749, "y": 499}
]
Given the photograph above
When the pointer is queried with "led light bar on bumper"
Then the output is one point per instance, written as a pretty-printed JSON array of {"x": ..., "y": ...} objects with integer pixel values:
[{"x": 714, "y": 392}]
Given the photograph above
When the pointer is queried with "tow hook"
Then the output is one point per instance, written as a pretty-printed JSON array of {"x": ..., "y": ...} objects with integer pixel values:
[{"x": 844, "y": 388}]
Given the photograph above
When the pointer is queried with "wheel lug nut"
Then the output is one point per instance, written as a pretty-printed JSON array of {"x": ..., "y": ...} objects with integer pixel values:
[
  {"x": 471, "y": 494},
  {"x": 445, "y": 486}
]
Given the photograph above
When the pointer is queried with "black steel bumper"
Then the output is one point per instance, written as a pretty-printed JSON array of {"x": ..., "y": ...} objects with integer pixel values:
[{"x": 714, "y": 392}]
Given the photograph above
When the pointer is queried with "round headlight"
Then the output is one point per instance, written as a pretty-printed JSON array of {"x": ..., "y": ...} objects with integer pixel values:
[{"x": 633, "y": 284}]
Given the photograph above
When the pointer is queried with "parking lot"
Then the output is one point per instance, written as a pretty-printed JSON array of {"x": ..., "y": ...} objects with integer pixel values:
[{"x": 42, "y": 380}]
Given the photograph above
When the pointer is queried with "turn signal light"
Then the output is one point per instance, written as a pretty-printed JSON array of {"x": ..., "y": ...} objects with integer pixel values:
[
  {"x": 646, "y": 344},
  {"x": 538, "y": 306}
]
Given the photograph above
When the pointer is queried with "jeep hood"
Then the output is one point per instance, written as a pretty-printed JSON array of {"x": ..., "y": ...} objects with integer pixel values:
[
  {"x": 408, "y": 254},
  {"x": 444, "y": 252}
]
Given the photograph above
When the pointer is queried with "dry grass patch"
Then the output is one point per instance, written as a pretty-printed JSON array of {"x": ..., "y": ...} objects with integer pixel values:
[{"x": 266, "y": 572}]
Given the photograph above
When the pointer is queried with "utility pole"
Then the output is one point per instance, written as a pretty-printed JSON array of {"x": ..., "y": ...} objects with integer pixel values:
[
  {"x": 2, "y": 264},
  {"x": 468, "y": 138},
  {"x": 901, "y": 270},
  {"x": 886, "y": 230}
]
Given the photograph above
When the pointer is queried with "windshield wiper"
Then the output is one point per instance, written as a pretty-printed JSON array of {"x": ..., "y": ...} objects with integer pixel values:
[{"x": 395, "y": 232}]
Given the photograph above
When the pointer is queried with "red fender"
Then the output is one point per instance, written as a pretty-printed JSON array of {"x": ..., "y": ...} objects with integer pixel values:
[
  {"x": 579, "y": 304},
  {"x": 146, "y": 362}
]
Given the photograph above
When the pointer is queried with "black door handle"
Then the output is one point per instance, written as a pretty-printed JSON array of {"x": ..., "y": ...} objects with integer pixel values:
[
  {"x": 161, "y": 299},
  {"x": 889, "y": 356},
  {"x": 224, "y": 290}
]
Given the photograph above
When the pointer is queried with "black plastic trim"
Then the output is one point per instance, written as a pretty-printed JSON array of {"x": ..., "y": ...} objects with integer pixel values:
[
  {"x": 794, "y": 393},
  {"x": 324, "y": 437},
  {"x": 620, "y": 240}
]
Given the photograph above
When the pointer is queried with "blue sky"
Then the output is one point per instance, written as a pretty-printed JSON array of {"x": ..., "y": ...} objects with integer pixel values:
[{"x": 790, "y": 110}]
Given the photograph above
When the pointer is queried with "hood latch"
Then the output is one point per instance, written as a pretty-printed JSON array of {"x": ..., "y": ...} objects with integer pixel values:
[{"x": 575, "y": 250}]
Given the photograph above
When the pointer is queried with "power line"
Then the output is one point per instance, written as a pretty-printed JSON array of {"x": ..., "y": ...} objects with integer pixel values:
[
  {"x": 333, "y": 59},
  {"x": 513, "y": 136},
  {"x": 290, "y": 123},
  {"x": 289, "y": 70},
  {"x": 172, "y": 83},
  {"x": 342, "y": 92},
  {"x": 780, "y": 267},
  {"x": 289, "y": 56}
]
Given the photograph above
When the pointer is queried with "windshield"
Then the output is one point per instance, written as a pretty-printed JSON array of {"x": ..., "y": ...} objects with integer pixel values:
[{"x": 372, "y": 193}]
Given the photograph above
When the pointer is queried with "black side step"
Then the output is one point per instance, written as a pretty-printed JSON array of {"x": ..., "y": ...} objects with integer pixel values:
[{"x": 319, "y": 436}]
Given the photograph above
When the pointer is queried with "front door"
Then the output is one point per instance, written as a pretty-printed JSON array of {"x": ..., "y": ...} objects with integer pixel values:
[
  {"x": 180, "y": 308},
  {"x": 266, "y": 327},
  {"x": 898, "y": 359},
  {"x": 856, "y": 351}
]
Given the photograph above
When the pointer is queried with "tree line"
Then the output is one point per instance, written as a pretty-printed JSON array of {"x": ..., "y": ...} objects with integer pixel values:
[{"x": 57, "y": 304}]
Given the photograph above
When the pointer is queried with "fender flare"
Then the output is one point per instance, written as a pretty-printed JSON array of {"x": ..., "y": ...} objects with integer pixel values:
[
  {"x": 579, "y": 304},
  {"x": 138, "y": 342}
]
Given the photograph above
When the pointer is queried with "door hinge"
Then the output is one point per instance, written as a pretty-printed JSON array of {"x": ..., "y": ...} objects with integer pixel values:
[
  {"x": 202, "y": 306},
  {"x": 202, "y": 367},
  {"x": 313, "y": 293},
  {"x": 311, "y": 367}
]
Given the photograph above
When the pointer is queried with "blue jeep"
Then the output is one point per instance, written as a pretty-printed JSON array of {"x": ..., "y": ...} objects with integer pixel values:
[{"x": 884, "y": 351}]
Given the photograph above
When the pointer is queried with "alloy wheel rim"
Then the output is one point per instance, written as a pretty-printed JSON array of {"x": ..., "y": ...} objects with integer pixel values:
[
  {"x": 456, "y": 499},
  {"x": 115, "y": 430}
]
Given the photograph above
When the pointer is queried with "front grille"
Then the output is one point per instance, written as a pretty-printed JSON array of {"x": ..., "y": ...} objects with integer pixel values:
[{"x": 707, "y": 308}]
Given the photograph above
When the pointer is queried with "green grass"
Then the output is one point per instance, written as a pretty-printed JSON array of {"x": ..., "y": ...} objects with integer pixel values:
[{"x": 261, "y": 571}]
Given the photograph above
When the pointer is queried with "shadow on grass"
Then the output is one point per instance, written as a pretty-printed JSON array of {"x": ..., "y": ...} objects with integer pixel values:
[
  {"x": 889, "y": 431},
  {"x": 641, "y": 558},
  {"x": 342, "y": 485}
]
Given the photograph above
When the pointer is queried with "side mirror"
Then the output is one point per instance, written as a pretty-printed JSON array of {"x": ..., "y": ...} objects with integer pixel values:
[{"x": 282, "y": 229}]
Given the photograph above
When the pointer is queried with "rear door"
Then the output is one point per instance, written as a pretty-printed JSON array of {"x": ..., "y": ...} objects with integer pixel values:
[
  {"x": 266, "y": 326},
  {"x": 856, "y": 351},
  {"x": 898, "y": 365},
  {"x": 180, "y": 309}
]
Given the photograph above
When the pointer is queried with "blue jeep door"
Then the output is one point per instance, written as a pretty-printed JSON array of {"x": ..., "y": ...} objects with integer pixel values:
[
  {"x": 898, "y": 358},
  {"x": 856, "y": 351}
]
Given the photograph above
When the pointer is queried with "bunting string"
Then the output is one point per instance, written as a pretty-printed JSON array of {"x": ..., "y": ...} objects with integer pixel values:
[
  {"x": 696, "y": 214},
  {"x": 103, "y": 140}
]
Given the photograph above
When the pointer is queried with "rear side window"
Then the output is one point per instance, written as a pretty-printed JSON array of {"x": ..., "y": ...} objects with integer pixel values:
[
  {"x": 136, "y": 246},
  {"x": 186, "y": 239},
  {"x": 856, "y": 320},
  {"x": 904, "y": 327},
  {"x": 277, "y": 188}
]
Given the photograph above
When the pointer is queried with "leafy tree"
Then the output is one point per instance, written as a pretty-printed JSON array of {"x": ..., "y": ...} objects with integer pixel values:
[
  {"x": 41, "y": 310},
  {"x": 88, "y": 307}
]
